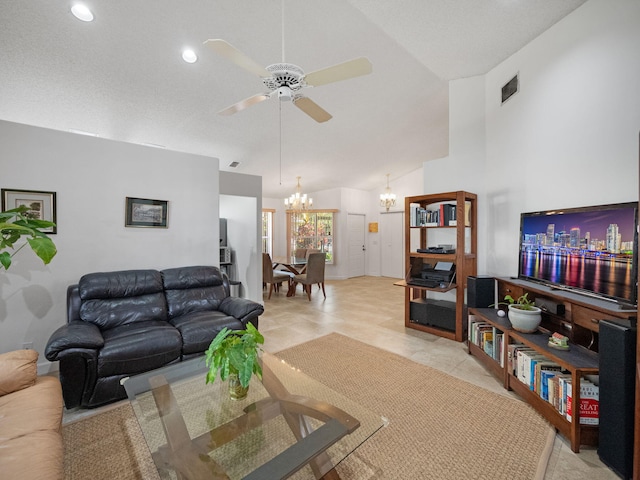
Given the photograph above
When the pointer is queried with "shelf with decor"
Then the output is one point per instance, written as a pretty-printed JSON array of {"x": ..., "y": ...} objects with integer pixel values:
[
  {"x": 542, "y": 375},
  {"x": 440, "y": 253}
]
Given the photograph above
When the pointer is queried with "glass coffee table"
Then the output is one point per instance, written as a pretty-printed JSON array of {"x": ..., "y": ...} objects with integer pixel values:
[{"x": 289, "y": 426}]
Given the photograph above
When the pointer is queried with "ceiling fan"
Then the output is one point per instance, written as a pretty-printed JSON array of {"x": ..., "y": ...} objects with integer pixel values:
[{"x": 287, "y": 80}]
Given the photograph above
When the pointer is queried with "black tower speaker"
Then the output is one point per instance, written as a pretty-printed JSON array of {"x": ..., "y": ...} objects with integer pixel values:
[
  {"x": 617, "y": 354},
  {"x": 480, "y": 292}
]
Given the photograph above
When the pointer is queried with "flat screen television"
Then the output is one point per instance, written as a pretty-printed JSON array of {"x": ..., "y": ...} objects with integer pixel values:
[{"x": 589, "y": 250}]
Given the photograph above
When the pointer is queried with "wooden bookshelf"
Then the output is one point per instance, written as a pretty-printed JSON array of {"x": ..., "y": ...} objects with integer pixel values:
[{"x": 459, "y": 230}]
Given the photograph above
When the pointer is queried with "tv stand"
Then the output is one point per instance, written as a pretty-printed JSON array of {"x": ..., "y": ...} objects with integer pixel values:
[{"x": 580, "y": 322}]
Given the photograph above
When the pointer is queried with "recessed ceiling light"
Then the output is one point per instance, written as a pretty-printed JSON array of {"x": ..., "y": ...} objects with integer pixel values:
[
  {"x": 189, "y": 56},
  {"x": 82, "y": 12}
]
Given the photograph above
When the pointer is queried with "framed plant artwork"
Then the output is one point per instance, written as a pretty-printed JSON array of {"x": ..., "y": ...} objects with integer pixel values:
[
  {"x": 143, "y": 212},
  {"x": 42, "y": 205}
]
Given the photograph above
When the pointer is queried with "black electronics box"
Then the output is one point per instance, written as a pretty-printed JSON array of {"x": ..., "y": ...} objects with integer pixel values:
[{"x": 433, "y": 313}]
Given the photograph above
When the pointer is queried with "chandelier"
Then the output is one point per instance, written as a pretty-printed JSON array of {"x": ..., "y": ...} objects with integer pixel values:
[
  {"x": 387, "y": 199},
  {"x": 298, "y": 200}
]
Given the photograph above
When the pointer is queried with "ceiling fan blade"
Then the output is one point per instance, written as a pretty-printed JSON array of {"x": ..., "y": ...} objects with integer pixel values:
[
  {"x": 341, "y": 71},
  {"x": 241, "y": 105},
  {"x": 312, "y": 109},
  {"x": 230, "y": 52}
]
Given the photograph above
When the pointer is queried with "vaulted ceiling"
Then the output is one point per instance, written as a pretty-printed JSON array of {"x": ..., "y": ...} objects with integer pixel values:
[{"x": 122, "y": 76}]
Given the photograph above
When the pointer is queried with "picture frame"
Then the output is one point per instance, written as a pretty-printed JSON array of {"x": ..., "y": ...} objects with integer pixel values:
[
  {"x": 42, "y": 205},
  {"x": 144, "y": 212}
]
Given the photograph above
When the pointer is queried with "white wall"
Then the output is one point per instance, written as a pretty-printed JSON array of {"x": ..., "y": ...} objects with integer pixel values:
[
  {"x": 241, "y": 205},
  {"x": 92, "y": 177},
  {"x": 241, "y": 237},
  {"x": 407, "y": 185},
  {"x": 569, "y": 137}
]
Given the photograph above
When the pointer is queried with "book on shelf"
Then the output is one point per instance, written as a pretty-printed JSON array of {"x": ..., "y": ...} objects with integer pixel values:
[
  {"x": 498, "y": 353},
  {"x": 524, "y": 364},
  {"x": 512, "y": 350},
  {"x": 453, "y": 222},
  {"x": 413, "y": 214},
  {"x": 440, "y": 215},
  {"x": 548, "y": 368},
  {"x": 589, "y": 403},
  {"x": 447, "y": 212}
]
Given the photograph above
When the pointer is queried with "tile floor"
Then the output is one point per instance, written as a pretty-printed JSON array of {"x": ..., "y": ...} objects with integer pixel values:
[{"x": 370, "y": 309}]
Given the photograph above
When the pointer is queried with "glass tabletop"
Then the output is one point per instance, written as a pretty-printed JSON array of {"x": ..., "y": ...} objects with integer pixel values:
[{"x": 289, "y": 426}]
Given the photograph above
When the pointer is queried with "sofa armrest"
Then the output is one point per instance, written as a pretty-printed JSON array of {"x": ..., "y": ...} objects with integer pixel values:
[
  {"x": 74, "y": 335},
  {"x": 243, "y": 309},
  {"x": 18, "y": 370}
]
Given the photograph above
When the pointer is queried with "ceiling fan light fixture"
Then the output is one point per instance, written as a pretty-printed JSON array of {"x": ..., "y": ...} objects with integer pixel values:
[
  {"x": 82, "y": 12},
  {"x": 284, "y": 94},
  {"x": 189, "y": 56},
  {"x": 387, "y": 199}
]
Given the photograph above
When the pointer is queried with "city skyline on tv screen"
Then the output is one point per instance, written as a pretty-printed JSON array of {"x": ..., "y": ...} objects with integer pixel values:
[{"x": 594, "y": 222}]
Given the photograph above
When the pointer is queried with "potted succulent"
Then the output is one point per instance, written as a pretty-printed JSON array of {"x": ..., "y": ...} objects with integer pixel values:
[
  {"x": 523, "y": 314},
  {"x": 234, "y": 353},
  {"x": 16, "y": 224}
]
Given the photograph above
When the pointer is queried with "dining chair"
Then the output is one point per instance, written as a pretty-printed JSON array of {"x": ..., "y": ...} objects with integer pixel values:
[
  {"x": 300, "y": 253},
  {"x": 314, "y": 274},
  {"x": 270, "y": 277},
  {"x": 310, "y": 251}
]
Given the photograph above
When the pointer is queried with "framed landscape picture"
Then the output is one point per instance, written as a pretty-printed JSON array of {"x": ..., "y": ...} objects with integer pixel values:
[
  {"x": 42, "y": 205},
  {"x": 143, "y": 212}
]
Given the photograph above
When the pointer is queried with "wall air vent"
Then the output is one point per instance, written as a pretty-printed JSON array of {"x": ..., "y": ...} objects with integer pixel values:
[
  {"x": 234, "y": 164},
  {"x": 510, "y": 88}
]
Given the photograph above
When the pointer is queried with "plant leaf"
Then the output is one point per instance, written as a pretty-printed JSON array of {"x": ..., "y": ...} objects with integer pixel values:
[
  {"x": 5, "y": 260},
  {"x": 43, "y": 248}
]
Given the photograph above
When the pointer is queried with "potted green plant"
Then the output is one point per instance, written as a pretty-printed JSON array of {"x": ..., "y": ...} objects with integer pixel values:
[
  {"x": 523, "y": 313},
  {"x": 16, "y": 224},
  {"x": 234, "y": 353}
]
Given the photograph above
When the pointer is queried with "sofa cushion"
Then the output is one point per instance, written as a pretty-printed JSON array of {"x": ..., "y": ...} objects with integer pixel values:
[
  {"x": 36, "y": 456},
  {"x": 110, "y": 313},
  {"x": 138, "y": 347},
  {"x": 31, "y": 409},
  {"x": 199, "y": 328},
  {"x": 30, "y": 440},
  {"x": 111, "y": 299},
  {"x": 124, "y": 283},
  {"x": 18, "y": 370},
  {"x": 193, "y": 289}
]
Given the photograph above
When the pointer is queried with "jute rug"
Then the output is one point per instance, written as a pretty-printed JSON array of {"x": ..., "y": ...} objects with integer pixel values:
[{"x": 439, "y": 427}]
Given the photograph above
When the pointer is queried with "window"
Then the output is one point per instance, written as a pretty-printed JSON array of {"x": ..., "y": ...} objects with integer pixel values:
[
  {"x": 311, "y": 229},
  {"x": 267, "y": 231}
]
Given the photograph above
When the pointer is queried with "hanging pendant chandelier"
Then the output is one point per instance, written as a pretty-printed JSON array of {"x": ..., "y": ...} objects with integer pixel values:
[
  {"x": 298, "y": 200},
  {"x": 387, "y": 199}
]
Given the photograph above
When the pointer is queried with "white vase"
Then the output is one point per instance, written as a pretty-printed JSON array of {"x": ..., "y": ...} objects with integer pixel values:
[{"x": 525, "y": 321}]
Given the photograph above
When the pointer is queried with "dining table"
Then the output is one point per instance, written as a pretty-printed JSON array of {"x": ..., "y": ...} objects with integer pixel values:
[{"x": 295, "y": 265}]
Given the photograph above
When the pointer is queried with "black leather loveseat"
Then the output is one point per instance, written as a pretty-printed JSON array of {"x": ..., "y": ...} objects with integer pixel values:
[{"x": 128, "y": 322}]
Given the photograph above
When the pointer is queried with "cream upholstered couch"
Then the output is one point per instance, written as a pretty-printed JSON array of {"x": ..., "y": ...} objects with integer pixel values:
[{"x": 30, "y": 420}]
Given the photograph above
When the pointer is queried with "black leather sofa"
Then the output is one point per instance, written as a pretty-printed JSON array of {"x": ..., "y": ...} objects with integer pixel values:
[{"x": 128, "y": 322}]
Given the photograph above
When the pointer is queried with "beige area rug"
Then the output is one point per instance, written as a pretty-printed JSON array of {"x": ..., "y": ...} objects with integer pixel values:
[{"x": 439, "y": 427}]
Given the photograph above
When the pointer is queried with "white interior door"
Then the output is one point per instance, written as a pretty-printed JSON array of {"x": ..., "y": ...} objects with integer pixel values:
[
  {"x": 392, "y": 244},
  {"x": 355, "y": 225}
]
